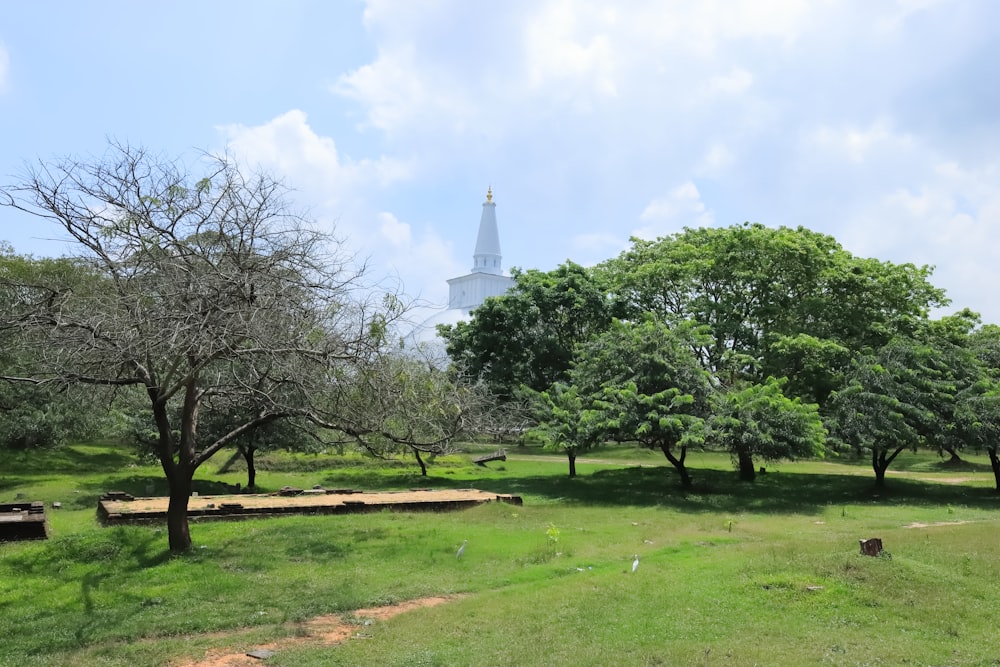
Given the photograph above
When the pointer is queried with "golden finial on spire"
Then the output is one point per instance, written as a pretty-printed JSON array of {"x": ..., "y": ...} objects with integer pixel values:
[{"x": 489, "y": 194}]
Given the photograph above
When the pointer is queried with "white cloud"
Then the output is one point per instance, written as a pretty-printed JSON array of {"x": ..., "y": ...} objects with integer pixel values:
[
  {"x": 400, "y": 96},
  {"x": 565, "y": 44},
  {"x": 949, "y": 219},
  {"x": 396, "y": 233},
  {"x": 736, "y": 82},
  {"x": 791, "y": 111},
  {"x": 589, "y": 249},
  {"x": 682, "y": 207},
  {"x": 422, "y": 262},
  {"x": 554, "y": 56},
  {"x": 856, "y": 144},
  {"x": 716, "y": 160},
  {"x": 896, "y": 16},
  {"x": 4, "y": 68},
  {"x": 289, "y": 146},
  {"x": 344, "y": 191}
]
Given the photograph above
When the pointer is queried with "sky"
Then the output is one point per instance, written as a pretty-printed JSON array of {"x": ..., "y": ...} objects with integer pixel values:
[{"x": 874, "y": 121}]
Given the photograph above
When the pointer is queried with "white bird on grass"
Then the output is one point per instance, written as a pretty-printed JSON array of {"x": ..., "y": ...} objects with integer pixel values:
[
  {"x": 461, "y": 549},
  {"x": 635, "y": 564}
]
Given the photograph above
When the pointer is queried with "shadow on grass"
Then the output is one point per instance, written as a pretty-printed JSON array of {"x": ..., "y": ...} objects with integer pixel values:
[
  {"x": 126, "y": 548},
  {"x": 67, "y": 460},
  {"x": 713, "y": 490}
]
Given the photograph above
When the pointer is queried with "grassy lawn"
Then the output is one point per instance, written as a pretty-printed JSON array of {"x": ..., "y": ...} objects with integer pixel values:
[{"x": 730, "y": 574}]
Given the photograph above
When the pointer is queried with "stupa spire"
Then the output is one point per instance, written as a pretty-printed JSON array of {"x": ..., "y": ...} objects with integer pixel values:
[{"x": 486, "y": 258}]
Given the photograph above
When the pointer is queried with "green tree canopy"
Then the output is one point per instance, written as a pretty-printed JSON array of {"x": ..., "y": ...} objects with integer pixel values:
[
  {"x": 655, "y": 390},
  {"x": 758, "y": 420},
  {"x": 569, "y": 421},
  {"x": 40, "y": 412},
  {"x": 777, "y": 302},
  {"x": 906, "y": 394},
  {"x": 526, "y": 337}
]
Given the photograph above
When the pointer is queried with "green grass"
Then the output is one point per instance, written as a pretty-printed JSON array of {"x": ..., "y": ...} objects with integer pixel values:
[{"x": 730, "y": 574}]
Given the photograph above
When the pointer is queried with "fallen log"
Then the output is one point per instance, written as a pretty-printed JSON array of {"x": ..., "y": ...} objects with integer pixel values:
[{"x": 499, "y": 455}]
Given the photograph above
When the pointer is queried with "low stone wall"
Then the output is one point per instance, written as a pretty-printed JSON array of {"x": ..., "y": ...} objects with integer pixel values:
[
  {"x": 113, "y": 509},
  {"x": 23, "y": 521}
]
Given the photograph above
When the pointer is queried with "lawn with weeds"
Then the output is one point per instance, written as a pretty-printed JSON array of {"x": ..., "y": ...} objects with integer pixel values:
[{"x": 729, "y": 573}]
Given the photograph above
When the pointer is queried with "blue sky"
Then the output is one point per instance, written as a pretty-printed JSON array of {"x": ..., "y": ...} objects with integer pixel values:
[{"x": 875, "y": 121}]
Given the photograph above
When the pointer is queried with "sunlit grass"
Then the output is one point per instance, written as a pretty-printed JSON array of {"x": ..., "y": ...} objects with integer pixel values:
[{"x": 730, "y": 574}]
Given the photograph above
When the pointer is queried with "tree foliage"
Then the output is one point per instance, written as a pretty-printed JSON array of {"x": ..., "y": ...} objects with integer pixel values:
[
  {"x": 758, "y": 420},
  {"x": 398, "y": 401},
  {"x": 35, "y": 414},
  {"x": 570, "y": 422},
  {"x": 906, "y": 394},
  {"x": 777, "y": 302},
  {"x": 526, "y": 337},
  {"x": 206, "y": 290},
  {"x": 655, "y": 390}
]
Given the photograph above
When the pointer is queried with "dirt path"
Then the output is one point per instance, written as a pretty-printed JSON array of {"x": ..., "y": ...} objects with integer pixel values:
[
  {"x": 917, "y": 524},
  {"x": 322, "y": 630}
]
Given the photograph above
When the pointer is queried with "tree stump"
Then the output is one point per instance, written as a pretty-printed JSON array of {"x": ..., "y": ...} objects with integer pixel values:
[{"x": 871, "y": 547}]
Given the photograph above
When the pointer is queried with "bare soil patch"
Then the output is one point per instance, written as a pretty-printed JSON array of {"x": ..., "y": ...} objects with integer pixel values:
[
  {"x": 946, "y": 480},
  {"x": 917, "y": 524},
  {"x": 322, "y": 630}
]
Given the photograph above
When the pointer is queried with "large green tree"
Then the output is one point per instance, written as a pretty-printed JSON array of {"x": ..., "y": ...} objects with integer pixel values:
[
  {"x": 979, "y": 403},
  {"x": 905, "y": 395},
  {"x": 35, "y": 413},
  {"x": 399, "y": 402},
  {"x": 777, "y": 302},
  {"x": 570, "y": 421},
  {"x": 978, "y": 418},
  {"x": 655, "y": 390},
  {"x": 526, "y": 337},
  {"x": 758, "y": 420}
]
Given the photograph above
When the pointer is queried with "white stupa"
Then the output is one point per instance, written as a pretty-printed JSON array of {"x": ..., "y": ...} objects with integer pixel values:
[{"x": 487, "y": 279}]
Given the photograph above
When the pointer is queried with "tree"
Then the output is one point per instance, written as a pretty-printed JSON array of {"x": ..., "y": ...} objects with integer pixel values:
[
  {"x": 901, "y": 396},
  {"x": 656, "y": 391},
  {"x": 526, "y": 337},
  {"x": 951, "y": 339},
  {"x": 978, "y": 418},
  {"x": 759, "y": 420},
  {"x": 777, "y": 302},
  {"x": 41, "y": 415},
  {"x": 398, "y": 402},
  {"x": 979, "y": 404},
  {"x": 570, "y": 422},
  {"x": 293, "y": 434},
  {"x": 34, "y": 416},
  {"x": 205, "y": 288}
]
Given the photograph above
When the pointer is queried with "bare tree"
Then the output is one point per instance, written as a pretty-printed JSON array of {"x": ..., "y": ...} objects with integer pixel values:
[
  {"x": 204, "y": 290},
  {"x": 400, "y": 401}
]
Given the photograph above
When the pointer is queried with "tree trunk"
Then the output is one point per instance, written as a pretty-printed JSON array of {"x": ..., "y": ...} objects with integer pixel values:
[
  {"x": 678, "y": 463},
  {"x": 423, "y": 466},
  {"x": 248, "y": 453},
  {"x": 179, "y": 536},
  {"x": 953, "y": 457},
  {"x": 880, "y": 463},
  {"x": 879, "y": 466},
  {"x": 747, "y": 472},
  {"x": 879, "y": 477},
  {"x": 995, "y": 462},
  {"x": 180, "y": 473},
  {"x": 571, "y": 455}
]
